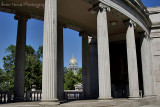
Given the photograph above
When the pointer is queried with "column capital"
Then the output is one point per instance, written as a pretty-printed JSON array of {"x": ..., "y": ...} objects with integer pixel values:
[
  {"x": 92, "y": 40},
  {"x": 145, "y": 35},
  {"x": 104, "y": 7},
  {"x": 129, "y": 22},
  {"x": 22, "y": 17},
  {"x": 99, "y": 7}
]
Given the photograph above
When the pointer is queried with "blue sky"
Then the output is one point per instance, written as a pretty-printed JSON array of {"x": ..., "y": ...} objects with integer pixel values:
[{"x": 72, "y": 41}]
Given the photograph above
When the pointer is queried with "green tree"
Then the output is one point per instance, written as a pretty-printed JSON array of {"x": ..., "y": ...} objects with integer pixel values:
[
  {"x": 9, "y": 65},
  {"x": 79, "y": 75},
  {"x": 70, "y": 80},
  {"x": 65, "y": 70},
  {"x": 3, "y": 79},
  {"x": 40, "y": 52},
  {"x": 33, "y": 68},
  {"x": 33, "y": 72}
]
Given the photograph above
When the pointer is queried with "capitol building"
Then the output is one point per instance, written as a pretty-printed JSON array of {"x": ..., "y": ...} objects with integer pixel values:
[{"x": 73, "y": 65}]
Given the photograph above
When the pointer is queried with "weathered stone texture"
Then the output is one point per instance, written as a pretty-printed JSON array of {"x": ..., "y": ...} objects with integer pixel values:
[{"x": 155, "y": 46}]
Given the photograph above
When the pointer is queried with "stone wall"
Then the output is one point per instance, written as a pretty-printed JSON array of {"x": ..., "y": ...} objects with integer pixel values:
[{"x": 155, "y": 46}]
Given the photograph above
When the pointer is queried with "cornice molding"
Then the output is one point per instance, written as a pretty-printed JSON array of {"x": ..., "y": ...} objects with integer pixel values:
[
  {"x": 130, "y": 13},
  {"x": 100, "y": 6}
]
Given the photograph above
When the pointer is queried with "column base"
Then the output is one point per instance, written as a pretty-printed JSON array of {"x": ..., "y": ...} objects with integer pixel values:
[
  {"x": 105, "y": 100},
  {"x": 19, "y": 99},
  {"x": 149, "y": 96},
  {"x": 134, "y": 98},
  {"x": 49, "y": 103},
  {"x": 109, "y": 98}
]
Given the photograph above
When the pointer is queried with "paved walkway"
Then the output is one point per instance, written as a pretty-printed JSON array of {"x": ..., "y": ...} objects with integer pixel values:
[
  {"x": 21, "y": 104},
  {"x": 95, "y": 103},
  {"x": 152, "y": 105}
]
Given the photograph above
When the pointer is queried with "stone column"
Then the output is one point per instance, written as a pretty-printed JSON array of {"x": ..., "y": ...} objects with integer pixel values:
[
  {"x": 85, "y": 67},
  {"x": 19, "y": 76},
  {"x": 49, "y": 77},
  {"x": 151, "y": 67},
  {"x": 132, "y": 61},
  {"x": 93, "y": 67},
  {"x": 146, "y": 66},
  {"x": 103, "y": 55},
  {"x": 60, "y": 66}
]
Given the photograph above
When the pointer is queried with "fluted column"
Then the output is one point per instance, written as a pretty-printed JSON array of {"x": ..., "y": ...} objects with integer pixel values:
[
  {"x": 93, "y": 67},
  {"x": 19, "y": 77},
  {"x": 103, "y": 54},
  {"x": 49, "y": 77},
  {"x": 146, "y": 66},
  {"x": 132, "y": 60},
  {"x": 60, "y": 66},
  {"x": 85, "y": 67}
]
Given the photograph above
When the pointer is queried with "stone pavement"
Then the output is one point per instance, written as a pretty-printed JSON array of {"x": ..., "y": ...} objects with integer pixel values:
[
  {"x": 153, "y": 105},
  {"x": 21, "y": 104},
  {"x": 95, "y": 103}
]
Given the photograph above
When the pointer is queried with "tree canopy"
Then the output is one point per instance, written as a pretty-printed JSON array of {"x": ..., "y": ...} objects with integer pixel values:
[
  {"x": 70, "y": 79},
  {"x": 33, "y": 67},
  {"x": 3, "y": 84}
]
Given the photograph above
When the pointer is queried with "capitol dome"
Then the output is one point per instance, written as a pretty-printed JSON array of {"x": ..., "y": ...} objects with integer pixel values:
[
  {"x": 73, "y": 65},
  {"x": 73, "y": 60}
]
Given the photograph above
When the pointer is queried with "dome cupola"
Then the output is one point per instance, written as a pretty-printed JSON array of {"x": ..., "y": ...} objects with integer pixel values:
[{"x": 73, "y": 60}]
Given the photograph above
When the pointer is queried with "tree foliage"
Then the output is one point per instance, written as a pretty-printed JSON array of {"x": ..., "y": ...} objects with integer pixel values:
[
  {"x": 9, "y": 66},
  {"x": 40, "y": 52},
  {"x": 65, "y": 70},
  {"x": 79, "y": 75},
  {"x": 33, "y": 71},
  {"x": 33, "y": 67},
  {"x": 70, "y": 79},
  {"x": 3, "y": 79}
]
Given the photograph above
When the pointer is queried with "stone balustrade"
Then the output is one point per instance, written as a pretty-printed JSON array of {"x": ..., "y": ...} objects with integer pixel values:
[
  {"x": 34, "y": 95},
  {"x": 6, "y": 97},
  {"x": 73, "y": 95}
]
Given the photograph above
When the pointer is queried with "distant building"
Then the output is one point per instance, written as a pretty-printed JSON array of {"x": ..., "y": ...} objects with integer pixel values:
[{"x": 73, "y": 65}]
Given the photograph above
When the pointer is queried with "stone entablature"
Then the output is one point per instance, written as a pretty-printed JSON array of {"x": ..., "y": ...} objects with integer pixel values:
[
  {"x": 127, "y": 9},
  {"x": 140, "y": 17},
  {"x": 155, "y": 18}
]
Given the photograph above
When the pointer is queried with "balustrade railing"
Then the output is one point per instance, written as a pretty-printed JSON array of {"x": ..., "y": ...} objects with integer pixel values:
[
  {"x": 6, "y": 97},
  {"x": 33, "y": 95},
  {"x": 73, "y": 95},
  {"x": 29, "y": 96}
]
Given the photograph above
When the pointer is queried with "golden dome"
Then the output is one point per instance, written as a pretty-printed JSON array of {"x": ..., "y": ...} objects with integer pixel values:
[{"x": 73, "y": 60}]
